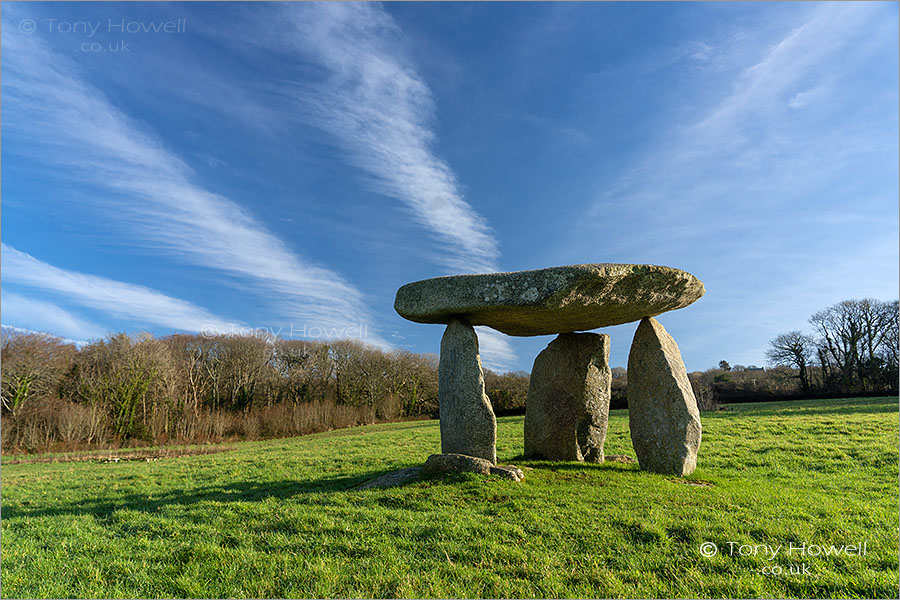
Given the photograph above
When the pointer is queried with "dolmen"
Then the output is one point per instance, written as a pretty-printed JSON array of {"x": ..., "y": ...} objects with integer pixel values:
[{"x": 567, "y": 407}]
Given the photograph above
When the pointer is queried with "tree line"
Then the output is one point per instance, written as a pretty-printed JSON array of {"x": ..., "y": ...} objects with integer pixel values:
[
  {"x": 853, "y": 349},
  {"x": 192, "y": 388}
]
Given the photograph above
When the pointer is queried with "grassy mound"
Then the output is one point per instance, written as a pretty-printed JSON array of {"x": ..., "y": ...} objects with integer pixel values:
[{"x": 281, "y": 518}]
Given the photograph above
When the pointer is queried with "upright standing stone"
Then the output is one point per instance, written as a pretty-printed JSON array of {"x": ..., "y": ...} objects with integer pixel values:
[
  {"x": 567, "y": 408},
  {"x": 468, "y": 425},
  {"x": 662, "y": 411}
]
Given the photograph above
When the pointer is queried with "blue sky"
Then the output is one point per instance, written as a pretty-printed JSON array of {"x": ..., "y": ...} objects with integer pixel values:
[{"x": 289, "y": 166}]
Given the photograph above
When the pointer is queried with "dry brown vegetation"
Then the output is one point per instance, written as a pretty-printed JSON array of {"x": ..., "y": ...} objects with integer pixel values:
[{"x": 138, "y": 390}]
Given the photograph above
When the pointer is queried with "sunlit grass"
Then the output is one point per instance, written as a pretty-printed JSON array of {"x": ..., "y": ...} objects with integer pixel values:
[{"x": 280, "y": 518}]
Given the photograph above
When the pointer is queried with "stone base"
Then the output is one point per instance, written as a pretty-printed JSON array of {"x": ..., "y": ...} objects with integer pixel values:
[
  {"x": 459, "y": 463},
  {"x": 567, "y": 408}
]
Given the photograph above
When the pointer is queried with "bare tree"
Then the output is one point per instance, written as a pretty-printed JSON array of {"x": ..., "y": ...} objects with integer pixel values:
[
  {"x": 33, "y": 364},
  {"x": 793, "y": 349},
  {"x": 890, "y": 348},
  {"x": 189, "y": 353},
  {"x": 855, "y": 340},
  {"x": 244, "y": 361}
]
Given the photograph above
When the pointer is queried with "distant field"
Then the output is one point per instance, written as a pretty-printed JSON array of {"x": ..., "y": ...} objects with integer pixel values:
[{"x": 280, "y": 519}]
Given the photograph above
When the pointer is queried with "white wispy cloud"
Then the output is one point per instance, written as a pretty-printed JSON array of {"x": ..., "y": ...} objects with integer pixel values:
[
  {"x": 751, "y": 141},
  {"x": 809, "y": 96},
  {"x": 380, "y": 112},
  {"x": 495, "y": 349},
  {"x": 762, "y": 87},
  {"x": 72, "y": 125},
  {"x": 134, "y": 303},
  {"x": 30, "y": 314}
]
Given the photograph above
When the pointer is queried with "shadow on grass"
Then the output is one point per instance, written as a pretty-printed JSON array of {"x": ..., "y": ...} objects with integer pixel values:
[
  {"x": 248, "y": 491},
  {"x": 244, "y": 491}
]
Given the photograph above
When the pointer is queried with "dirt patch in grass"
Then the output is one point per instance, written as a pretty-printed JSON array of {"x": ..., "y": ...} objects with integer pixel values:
[
  {"x": 694, "y": 482},
  {"x": 113, "y": 457},
  {"x": 392, "y": 479},
  {"x": 620, "y": 458}
]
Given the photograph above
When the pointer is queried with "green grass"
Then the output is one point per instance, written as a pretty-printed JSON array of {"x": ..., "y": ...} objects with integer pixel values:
[{"x": 280, "y": 519}]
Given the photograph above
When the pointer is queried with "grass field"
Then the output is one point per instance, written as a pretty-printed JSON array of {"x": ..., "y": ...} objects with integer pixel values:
[{"x": 280, "y": 518}]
